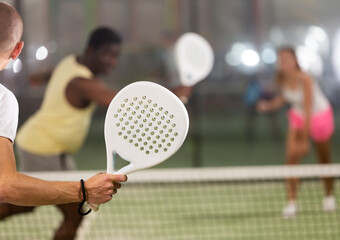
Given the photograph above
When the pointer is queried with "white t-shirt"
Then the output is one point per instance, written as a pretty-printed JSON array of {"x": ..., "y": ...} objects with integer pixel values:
[
  {"x": 9, "y": 112},
  {"x": 296, "y": 98}
]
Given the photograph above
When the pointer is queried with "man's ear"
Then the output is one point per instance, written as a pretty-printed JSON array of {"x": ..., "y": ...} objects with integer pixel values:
[{"x": 17, "y": 50}]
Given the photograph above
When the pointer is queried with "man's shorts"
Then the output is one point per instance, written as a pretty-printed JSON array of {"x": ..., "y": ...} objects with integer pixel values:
[{"x": 33, "y": 162}]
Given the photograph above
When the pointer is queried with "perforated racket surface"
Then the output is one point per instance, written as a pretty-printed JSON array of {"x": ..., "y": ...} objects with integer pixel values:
[
  {"x": 145, "y": 124},
  {"x": 194, "y": 58}
]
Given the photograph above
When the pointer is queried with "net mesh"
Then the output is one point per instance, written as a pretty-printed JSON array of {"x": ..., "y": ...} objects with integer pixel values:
[{"x": 207, "y": 203}]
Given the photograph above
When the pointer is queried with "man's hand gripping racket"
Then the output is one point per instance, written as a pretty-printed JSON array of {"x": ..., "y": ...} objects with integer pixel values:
[{"x": 145, "y": 124}]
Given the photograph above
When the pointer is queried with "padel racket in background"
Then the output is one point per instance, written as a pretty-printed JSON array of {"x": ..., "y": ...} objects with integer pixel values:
[
  {"x": 194, "y": 58},
  {"x": 145, "y": 124}
]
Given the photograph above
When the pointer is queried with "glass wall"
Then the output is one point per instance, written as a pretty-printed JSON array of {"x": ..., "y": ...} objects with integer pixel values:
[{"x": 226, "y": 130}]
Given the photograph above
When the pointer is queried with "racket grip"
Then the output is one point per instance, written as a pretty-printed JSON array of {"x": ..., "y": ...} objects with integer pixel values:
[{"x": 94, "y": 207}]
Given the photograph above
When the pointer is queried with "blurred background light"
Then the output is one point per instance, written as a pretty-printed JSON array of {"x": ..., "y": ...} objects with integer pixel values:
[
  {"x": 17, "y": 65},
  {"x": 317, "y": 39},
  {"x": 268, "y": 56},
  {"x": 336, "y": 55},
  {"x": 242, "y": 54},
  {"x": 276, "y": 36},
  {"x": 233, "y": 59},
  {"x": 10, "y": 64},
  {"x": 250, "y": 58},
  {"x": 52, "y": 47},
  {"x": 310, "y": 60},
  {"x": 238, "y": 48},
  {"x": 41, "y": 53}
]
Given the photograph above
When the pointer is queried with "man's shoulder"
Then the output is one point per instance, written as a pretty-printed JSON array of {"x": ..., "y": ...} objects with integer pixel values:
[
  {"x": 69, "y": 66},
  {"x": 68, "y": 60},
  {"x": 9, "y": 111},
  {"x": 7, "y": 100},
  {"x": 5, "y": 93},
  {"x": 3, "y": 89}
]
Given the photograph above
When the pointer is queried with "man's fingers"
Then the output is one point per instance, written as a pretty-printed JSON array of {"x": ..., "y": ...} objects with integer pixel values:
[
  {"x": 100, "y": 173},
  {"x": 118, "y": 178}
]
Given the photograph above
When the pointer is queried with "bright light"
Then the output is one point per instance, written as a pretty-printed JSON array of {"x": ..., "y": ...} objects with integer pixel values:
[
  {"x": 17, "y": 65},
  {"x": 276, "y": 36},
  {"x": 336, "y": 54},
  {"x": 317, "y": 39},
  {"x": 311, "y": 42},
  {"x": 318, "y": 33},
  {"x": 310, "y": 60},
  {"x": 10, "y": 64},
  {"x": 52, "y": 47},
  {"x": 242, "y": 54},
  {"x": 238, "y": 48},
  {"x": 250, "y": 58},
  {"x": 268, "y": 56},
  {"x": 41, "y": 53},
  {"x": 233, "y": 59}
]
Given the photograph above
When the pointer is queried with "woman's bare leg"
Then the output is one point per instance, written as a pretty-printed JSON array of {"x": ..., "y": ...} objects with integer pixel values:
[
  {"x": 323, "y": 150},
  {"x": 296, "y": 148},
  {"x": 293, "y": 157}
]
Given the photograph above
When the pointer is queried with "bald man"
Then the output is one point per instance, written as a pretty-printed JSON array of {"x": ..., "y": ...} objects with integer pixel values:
[
  {"x": 11, "y": 28},
  {"x": 20, "y": 189}
]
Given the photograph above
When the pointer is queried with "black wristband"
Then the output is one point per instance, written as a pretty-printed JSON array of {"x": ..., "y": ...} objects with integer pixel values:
[{"x": 84, "y": 199}]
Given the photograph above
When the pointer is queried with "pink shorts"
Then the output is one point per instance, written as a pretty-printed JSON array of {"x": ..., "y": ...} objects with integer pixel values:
[{"x": 321, "y": 125}]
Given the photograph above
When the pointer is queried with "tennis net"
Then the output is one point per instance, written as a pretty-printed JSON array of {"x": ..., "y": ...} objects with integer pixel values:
[{"x": 201, "y": 203}]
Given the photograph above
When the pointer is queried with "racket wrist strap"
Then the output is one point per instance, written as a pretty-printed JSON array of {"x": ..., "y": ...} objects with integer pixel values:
[{"x": 82, "y": 186}]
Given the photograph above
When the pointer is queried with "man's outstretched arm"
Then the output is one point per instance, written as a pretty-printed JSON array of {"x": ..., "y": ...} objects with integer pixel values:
[{"x": 20, "y": 189}]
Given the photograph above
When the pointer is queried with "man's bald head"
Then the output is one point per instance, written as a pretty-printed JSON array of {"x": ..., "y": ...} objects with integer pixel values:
[{"x": 11, "y": 27}]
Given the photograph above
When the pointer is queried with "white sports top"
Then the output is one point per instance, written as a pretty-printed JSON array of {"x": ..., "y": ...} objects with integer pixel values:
[
  {"x": 9, "y": 112},
  {"x": 295, "y": 98}
]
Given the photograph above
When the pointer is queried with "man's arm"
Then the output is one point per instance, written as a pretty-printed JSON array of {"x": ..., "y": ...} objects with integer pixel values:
[
  {"x": 81, "y": 90},
  {"x": 271, "y": 105},
  {"x": 20, "y": 189},
  {"x": 183, "y": 93}
]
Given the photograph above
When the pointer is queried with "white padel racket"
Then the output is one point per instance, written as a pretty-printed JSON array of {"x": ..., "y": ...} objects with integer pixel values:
[
  {"x": 194, "y": 58},
  {"x": 145, "y": 124}
]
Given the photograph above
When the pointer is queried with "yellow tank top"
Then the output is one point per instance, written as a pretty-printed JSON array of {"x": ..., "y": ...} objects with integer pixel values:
[{"x": 58, "y": 127}]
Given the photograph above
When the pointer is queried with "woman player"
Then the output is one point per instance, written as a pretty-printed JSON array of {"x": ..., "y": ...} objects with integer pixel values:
[{"x": 310, "y": 116}]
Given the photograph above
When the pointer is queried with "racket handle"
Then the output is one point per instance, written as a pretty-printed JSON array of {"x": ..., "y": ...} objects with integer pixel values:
[{"x": 94, "y": 207}]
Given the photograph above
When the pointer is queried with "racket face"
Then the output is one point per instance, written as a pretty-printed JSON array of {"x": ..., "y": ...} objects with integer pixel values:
[
  {"x": 194, "y": 58},
  {"x": 145, "y": 124}
]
